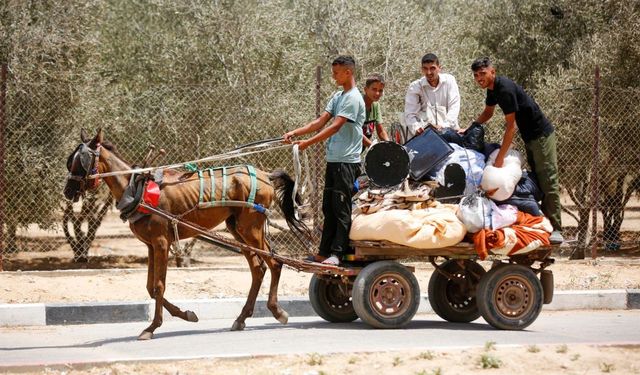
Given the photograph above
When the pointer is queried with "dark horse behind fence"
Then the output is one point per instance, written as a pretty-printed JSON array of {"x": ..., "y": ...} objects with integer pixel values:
[{"x": 180, "y": 195}]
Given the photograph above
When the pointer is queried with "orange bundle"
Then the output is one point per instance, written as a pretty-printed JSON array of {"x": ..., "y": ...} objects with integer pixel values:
[{"x": 526, "y": 234}]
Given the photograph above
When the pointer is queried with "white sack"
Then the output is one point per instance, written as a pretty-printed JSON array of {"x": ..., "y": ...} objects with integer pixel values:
[{"x": 504, "y": 179}]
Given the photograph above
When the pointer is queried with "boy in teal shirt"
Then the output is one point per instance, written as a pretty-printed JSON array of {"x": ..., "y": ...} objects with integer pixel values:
[
  {"x": 343, "y": 148},
  {"x": 373, "y": 90}
]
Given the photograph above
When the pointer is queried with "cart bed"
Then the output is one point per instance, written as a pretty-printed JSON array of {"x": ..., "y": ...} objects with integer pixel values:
[{"x": 366, "y": 250}]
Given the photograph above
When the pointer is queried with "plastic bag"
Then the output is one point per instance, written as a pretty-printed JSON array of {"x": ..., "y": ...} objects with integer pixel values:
[
  {"x": 503, "y": 215},
  {"x": 472, "y": 162},
  {"x": 474, "y": 212},
  {"x": 472, "y": 138}
]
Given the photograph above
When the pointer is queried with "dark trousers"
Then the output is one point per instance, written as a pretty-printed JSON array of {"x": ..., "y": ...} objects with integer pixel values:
[
  {"x": 336, "y": 207},
  {"x": 542, "y": 157}
]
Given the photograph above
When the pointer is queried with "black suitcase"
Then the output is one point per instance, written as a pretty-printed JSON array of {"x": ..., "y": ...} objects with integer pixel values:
[{"x": 425, "y": 151}]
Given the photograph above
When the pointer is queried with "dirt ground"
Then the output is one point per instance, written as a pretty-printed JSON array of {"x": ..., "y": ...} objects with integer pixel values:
[
  {"x": 116, "y": 275},
  {"x": 491, "y": 360},
  {"x": 122, "y": 277}
]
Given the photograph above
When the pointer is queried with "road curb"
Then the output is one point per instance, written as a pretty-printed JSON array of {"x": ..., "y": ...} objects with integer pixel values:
[{"x": 41, "y": 314}]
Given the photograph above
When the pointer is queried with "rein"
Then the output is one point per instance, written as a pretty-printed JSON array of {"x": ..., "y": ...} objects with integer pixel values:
[
  {"x": 247, "y": 149},
  {"x": 228, "y": 155}
]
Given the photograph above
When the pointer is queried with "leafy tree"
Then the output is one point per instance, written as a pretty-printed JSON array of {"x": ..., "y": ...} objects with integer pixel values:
[
  {"x": 554, "y": 47},
  {"x": 44, "y": 44}
]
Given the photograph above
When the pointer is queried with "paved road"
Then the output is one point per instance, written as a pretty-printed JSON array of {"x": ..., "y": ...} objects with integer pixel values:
[{"x": 264, "y": 336}]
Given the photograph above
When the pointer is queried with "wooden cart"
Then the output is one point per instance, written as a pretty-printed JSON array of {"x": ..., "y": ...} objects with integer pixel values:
[{"x": 373, "y": 286}]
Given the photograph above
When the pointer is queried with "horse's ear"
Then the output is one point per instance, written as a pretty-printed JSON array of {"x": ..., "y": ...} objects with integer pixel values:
[
  {"x": 83, "y": 136},
  {"x": 96, "y": 140},
  {"x": 100, "y": 136}
]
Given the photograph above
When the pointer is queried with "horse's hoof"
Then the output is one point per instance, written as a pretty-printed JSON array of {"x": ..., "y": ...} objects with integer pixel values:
[
  {"x": 191, "y": 316},
  {"x": 237, "y": 326},
  {"x": 283, "y": 318},
  {"x": 145, "y": 335}
]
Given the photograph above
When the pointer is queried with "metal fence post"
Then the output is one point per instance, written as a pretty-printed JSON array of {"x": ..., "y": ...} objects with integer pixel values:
[
  {"x": 317, "y": 155},
  {"x": 595, "y": 189},
  {"x": 3, "y": 96}
]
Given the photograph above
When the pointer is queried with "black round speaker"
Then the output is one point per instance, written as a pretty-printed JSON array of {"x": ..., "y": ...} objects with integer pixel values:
[{"x": 386, "y": 164}]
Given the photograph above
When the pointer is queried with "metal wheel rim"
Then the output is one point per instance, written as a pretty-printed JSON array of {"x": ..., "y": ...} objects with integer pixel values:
[
  {"x": 390, "y": 295},
  {"x": 513, "y": 297},
  {"x": 335, "y": 297},
  {"x": 455, "y": 297}
]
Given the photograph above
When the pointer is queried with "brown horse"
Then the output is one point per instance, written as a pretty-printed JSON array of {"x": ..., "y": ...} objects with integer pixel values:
[{"x": 180, "y": 196}]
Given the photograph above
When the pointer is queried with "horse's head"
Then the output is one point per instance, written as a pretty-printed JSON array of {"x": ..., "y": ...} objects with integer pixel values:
[{"x": 82, "y": 163}]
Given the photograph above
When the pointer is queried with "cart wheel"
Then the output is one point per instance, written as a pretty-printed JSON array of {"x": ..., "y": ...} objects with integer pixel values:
[
  {"x": 510, "y": 297},
  {"x": 331, "y": 299},
  {"x": 386, "y": 295},
  {"x": 454, "y": 299}
]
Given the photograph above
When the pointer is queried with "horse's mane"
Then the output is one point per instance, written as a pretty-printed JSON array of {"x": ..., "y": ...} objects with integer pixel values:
[{"x": 114, "y": 150}]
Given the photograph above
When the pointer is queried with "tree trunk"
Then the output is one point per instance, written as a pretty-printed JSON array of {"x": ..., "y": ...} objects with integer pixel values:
[
  {"x": 581, "y": 235},
  {"x": 80, "y": 241}
]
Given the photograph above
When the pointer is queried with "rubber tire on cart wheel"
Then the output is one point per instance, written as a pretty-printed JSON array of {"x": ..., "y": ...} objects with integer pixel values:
[
  {"x": 451, "y": 301},
  {"x": 329, "y": 300},
  {"x": 386, "y": 295},
  {"x": 510, "y": 297}
]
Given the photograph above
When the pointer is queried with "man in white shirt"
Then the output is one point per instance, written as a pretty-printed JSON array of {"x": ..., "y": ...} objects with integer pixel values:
[{"x": 431, "y": 100}]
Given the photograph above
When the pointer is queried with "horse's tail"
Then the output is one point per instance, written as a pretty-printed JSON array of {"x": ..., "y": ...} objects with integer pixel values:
[{"x": 283, "y": 185}]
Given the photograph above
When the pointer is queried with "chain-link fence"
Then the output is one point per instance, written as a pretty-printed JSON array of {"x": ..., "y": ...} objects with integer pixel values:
[
  {"x": 41, "y": 124},
  {"x": 598, "y": 164}
]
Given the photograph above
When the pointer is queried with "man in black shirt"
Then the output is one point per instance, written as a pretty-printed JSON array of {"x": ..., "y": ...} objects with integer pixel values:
[{"x": 535, "y": 129}]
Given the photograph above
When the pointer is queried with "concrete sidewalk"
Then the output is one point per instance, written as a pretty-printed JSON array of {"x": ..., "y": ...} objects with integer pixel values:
[{"x": 41, "y": 314}]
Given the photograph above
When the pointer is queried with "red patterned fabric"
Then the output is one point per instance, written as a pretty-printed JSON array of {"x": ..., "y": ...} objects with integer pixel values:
[{"x": 527, "y": 233}]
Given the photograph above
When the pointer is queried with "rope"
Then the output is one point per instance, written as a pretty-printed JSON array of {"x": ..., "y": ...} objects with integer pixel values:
[
  {"x": 262, "y": 143},
  {"x": 228, "y": 155},
  {"x": 296, "y": 171},
  {"x": 297, "y": 168},
  {"x": 307, "y": 183}
]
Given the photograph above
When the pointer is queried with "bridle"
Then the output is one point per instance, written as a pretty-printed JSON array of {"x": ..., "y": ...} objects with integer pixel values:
[{"x": 89, "y": 162}]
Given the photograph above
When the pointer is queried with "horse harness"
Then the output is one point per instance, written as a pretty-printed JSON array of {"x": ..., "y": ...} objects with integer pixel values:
[
  {"x": 145, "y": 188},
  {"x": 224, "y": 202},
  {"x": 89, "y": 163}
]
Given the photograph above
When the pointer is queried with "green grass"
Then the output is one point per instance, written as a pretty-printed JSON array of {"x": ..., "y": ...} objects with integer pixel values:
[
  {"x": 489, "y": 361},
  {"x": 533, "y": 349},
  {"x": 437, "y": 371},
  {"x": 426, "y": 355},
  {"x": 489, "y": 345},
  {"x": 607, "y": 367},
  {"x": 314, "y": 359}
]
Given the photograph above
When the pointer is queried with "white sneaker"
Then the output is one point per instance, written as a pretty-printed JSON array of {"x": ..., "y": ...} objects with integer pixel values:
[
  {"x": 556, "y": 237},
  {"x": 332, "y": 260}
]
